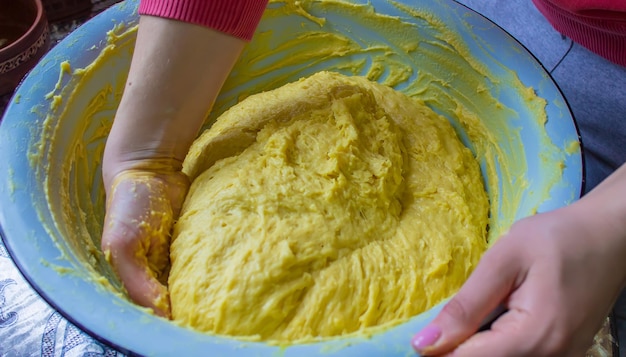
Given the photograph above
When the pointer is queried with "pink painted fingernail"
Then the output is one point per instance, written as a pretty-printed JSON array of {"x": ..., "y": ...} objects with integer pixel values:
[{"x": 426, "y": 338}]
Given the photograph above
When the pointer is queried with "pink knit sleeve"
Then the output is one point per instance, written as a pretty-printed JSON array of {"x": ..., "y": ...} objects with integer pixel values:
[
  {"x": 599, "y": 25},
  {"x": 591, "y": 6},
  {"x": 238, "y": 18}
]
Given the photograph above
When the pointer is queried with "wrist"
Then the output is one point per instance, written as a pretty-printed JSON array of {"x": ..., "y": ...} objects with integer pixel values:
[
  {"x": 132, "y": 144},
  {"x": 116, "y": 164}
]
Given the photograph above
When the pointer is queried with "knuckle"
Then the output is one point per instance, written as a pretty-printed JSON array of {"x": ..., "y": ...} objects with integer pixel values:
[
  {"x": 119, "y": 237},
  {"x": 558, "y": 346},
  {"x": 556, "y": 343},
  {"x": 456, "y": 309}
]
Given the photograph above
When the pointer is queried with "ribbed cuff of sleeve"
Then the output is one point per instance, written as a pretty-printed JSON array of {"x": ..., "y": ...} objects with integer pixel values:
[
  {"x": 603, "y": 33},
  {"x": 238, "y": 18}
]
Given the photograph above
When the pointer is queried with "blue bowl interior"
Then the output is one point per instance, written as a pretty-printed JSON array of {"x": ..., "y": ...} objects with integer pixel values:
[{"x": 29, "y": 209}]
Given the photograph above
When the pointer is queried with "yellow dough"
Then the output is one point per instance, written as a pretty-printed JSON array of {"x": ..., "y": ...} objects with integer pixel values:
[{"x": 325, "y": 207}]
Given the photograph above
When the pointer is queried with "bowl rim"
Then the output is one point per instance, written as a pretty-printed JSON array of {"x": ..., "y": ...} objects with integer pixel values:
[
  {"x": 132, "y": 350},
  {"x": 583, "y": 183}
]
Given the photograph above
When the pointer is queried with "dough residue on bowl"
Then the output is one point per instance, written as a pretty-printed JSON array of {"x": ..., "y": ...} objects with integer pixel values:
[{"x": 322, "y": 208}]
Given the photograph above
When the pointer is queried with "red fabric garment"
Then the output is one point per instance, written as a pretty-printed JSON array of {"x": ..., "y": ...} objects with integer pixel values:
[
  {"x": 238, "y": 18},
  {"x": 578, "y": 6},
  {"x": 599, "y": 25}
]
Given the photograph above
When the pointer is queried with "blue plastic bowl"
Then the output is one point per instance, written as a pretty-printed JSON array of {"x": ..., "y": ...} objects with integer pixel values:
[{"x": 74, "y": 278}]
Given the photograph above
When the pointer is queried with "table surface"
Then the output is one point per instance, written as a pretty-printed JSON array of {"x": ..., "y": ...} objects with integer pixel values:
[{"x": 605, "y": 342}]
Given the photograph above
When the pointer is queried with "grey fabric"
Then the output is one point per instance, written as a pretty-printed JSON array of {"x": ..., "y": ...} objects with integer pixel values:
[{"x": 596, "y": 92}]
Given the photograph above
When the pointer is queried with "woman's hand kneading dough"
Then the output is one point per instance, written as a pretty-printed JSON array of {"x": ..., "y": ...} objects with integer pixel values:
[
  {"x": 141, "y": 207},
  {"x": 176, "y": 72}
]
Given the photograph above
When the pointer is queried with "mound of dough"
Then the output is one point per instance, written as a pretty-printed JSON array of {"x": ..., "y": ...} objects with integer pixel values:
[{"x": 325, "y": 207}]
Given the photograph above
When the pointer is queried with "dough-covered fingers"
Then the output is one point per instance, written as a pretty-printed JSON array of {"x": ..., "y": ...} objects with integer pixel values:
[
  {"x": 140, "y": 282},
  {"x": 141, "y": 209}
]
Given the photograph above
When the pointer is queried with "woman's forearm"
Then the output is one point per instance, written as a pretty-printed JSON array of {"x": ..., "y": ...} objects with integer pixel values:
[
  {"x": 603, "y": 210},
  {"x": 176, "y": 73},
  {"x": 606, "y": 203}
]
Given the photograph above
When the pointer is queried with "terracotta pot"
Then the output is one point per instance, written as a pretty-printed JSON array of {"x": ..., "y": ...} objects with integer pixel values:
[{"x": 24, "y": 39}]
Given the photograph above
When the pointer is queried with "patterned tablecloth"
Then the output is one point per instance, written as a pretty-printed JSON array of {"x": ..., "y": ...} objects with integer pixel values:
[{"x": 30, "y": 327}]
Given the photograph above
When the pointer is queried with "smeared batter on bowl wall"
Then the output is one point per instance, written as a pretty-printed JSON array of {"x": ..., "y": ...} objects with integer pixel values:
[
  {"x": 421, "y": 58},
  {"x": 67, "y": 155},
  {"x": 353, "y": 206},
  {"x": 411, "y": 51}
]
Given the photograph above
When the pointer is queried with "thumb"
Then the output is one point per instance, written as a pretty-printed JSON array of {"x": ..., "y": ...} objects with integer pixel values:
[
  {"x": 489, "y": 285},
  {"x": 141, "y": 284},
  {"x": 121, "y": 245},
  {"x": 127, "y": 240}
]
